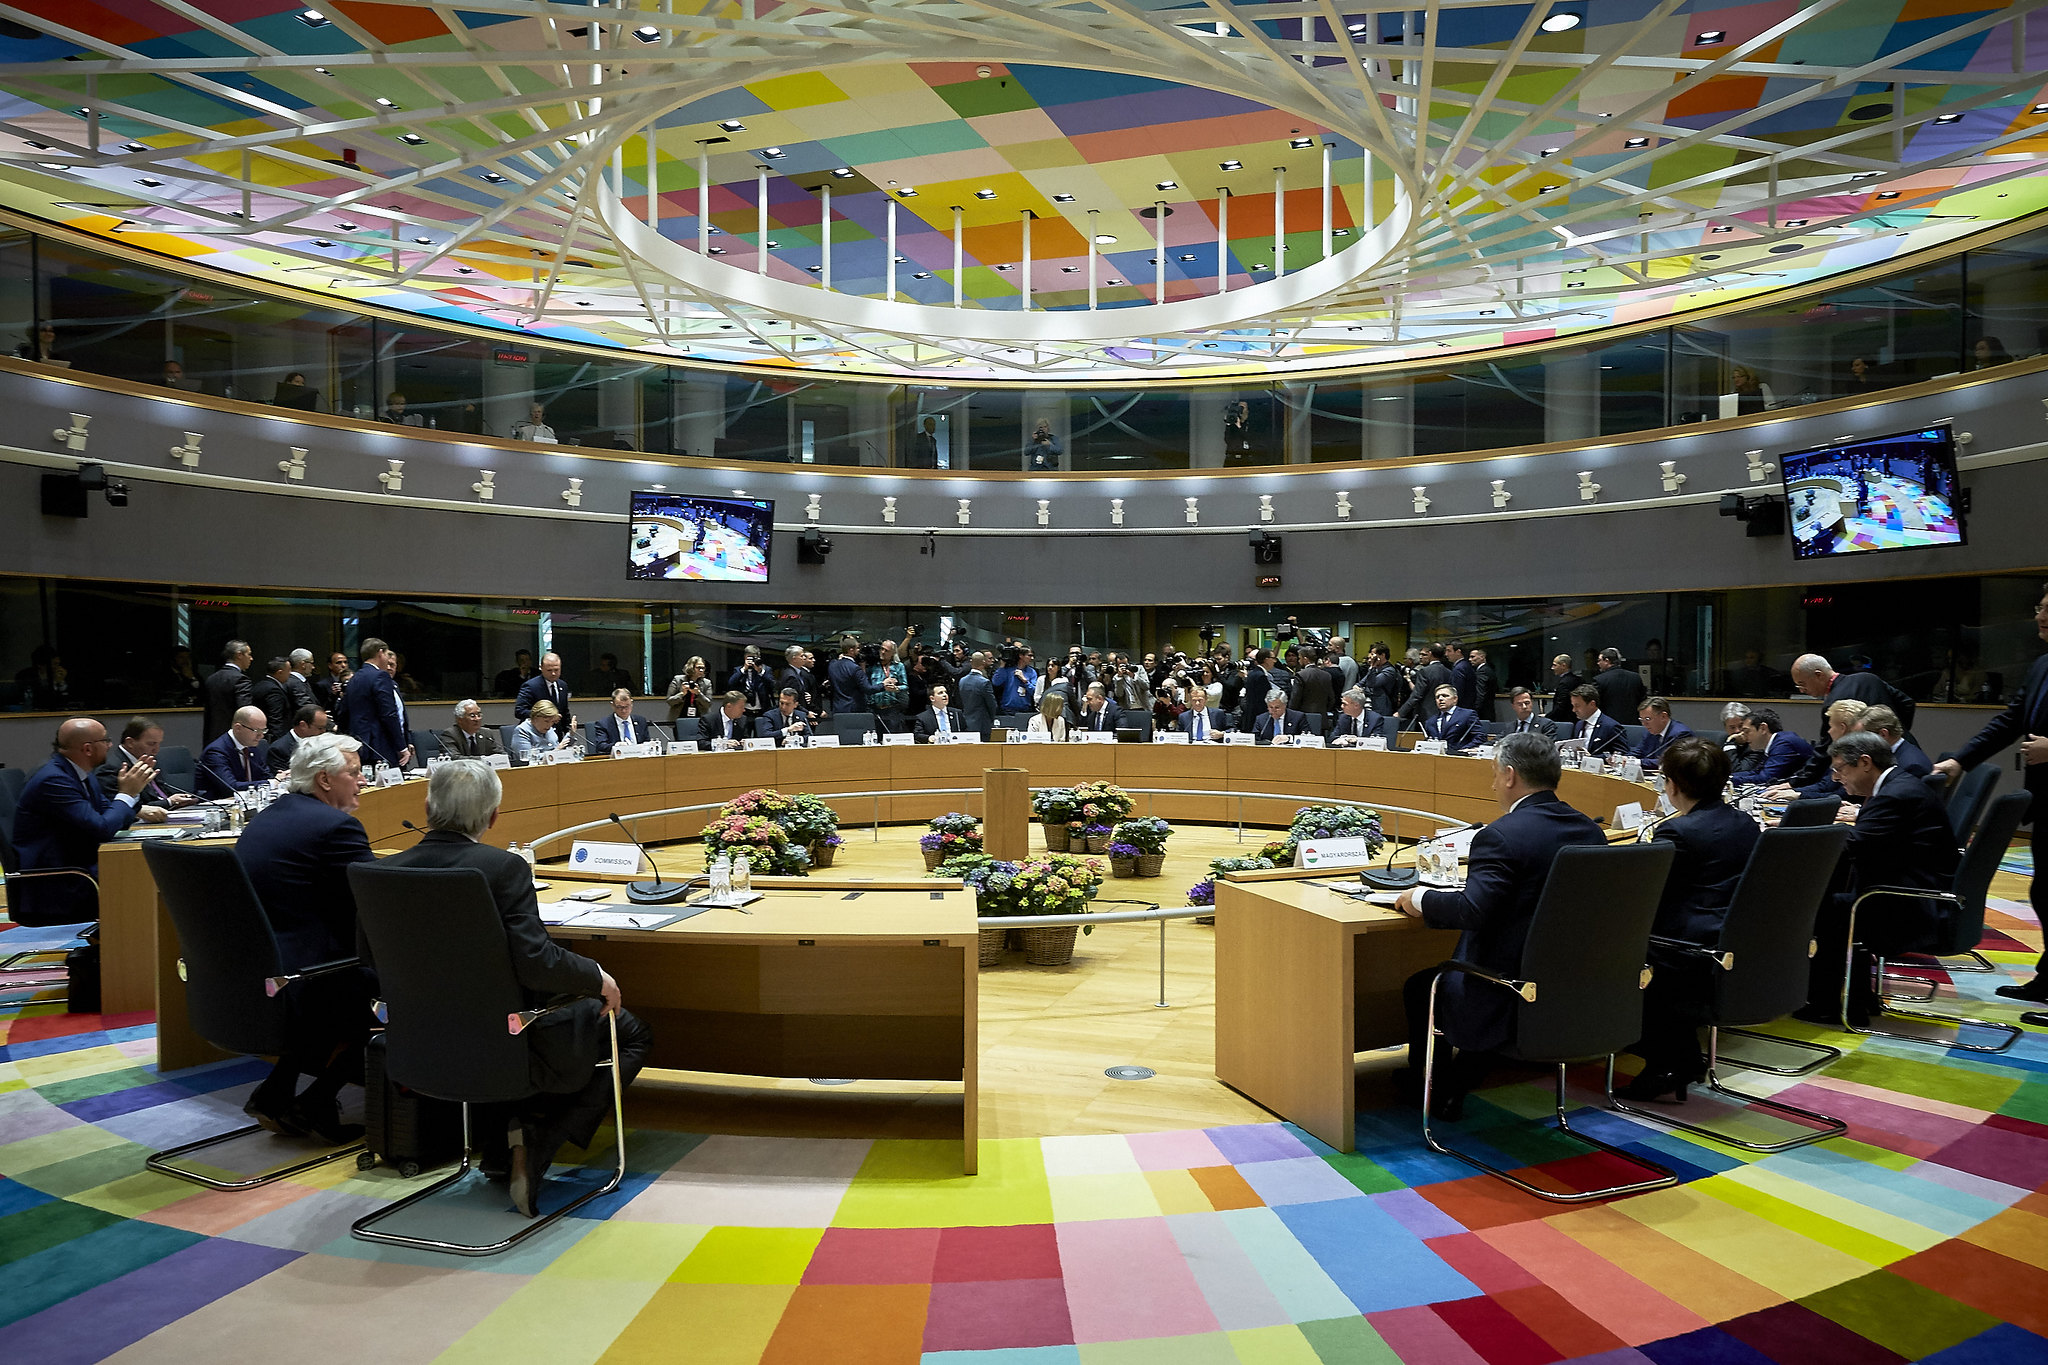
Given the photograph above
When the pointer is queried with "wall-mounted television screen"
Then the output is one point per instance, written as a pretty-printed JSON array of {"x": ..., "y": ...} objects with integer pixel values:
[
  {"x": 1893, "y": 492},
  {"x": 702, "y": 540}
]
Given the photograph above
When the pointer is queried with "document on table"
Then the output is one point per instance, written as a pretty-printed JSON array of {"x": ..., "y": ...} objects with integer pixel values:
[{"x": 571, "y": 914}]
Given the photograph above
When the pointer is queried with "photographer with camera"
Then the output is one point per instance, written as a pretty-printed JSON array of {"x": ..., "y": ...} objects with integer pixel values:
[
  {"x": 1016, "y": 683},
  {"x": 1128, "y": 685}
]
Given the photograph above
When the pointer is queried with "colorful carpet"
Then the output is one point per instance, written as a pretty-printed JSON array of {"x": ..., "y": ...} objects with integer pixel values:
[{"x": 1922, "y": 1235}]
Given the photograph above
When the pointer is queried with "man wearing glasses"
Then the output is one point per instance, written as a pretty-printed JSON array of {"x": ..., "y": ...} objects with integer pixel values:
[
  {"x": 235, "y": 762},
  {"x": 63, "y": 818}
]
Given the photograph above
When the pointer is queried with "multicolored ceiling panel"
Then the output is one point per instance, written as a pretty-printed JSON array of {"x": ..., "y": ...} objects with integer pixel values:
[{"x": 1493, "y": 172}]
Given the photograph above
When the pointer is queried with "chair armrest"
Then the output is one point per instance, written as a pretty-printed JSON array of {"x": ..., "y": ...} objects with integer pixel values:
[
  {"x": 52, "y": 872},
  {"x": 1525, "y": 989},
  {"x": 273, "y": 984},
  {"x": 1726, "y": 961},
  {"x": 1905, "y": 893}
]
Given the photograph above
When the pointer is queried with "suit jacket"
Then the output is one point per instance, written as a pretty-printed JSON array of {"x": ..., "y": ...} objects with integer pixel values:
[
  {"x": 1421, "y": 703},
  {"x": 609, "y": 731},
  {"x": 1453, "y": 727},
  {"x": 222, "y": 761},
  {"x": 772, "y": 723},
  {"x": 1535, "y": 725},
  {"x": 1786, "y": 756},
  {"x": 1621, "y": 691},
  {"x": 1383, "y": 689},
  {"x": 1653, "y": 746},
  {"x": 1313, "y": 693},
  {"x": 108, "y": 775},
  {"x": 330, "y": 695},
  {"x": 375, "y": 714},
  {"x": 1487, "y": 688},
  {"x": 1293, "y": 723},
  {"x": 850, "y": 686},
  {"x": 977, "y": 702},
  {"x": 1363, "y": 727},
  {"x": 60, "y": 821},
  {"x": 1561, "y": 698},
  {"x": 226, "y": 690},
  {"x": 1509, "y": 862},
  {"x": 277, "y": 754},
  {"x": 1911, "y": 758},
  {"x": 276, "y": 701},
  {"x": 1465, "y": 677},
  {"x": 1607, "y": 734},
  {"x": 2028, "y": 714},
  {"x": 1714, "y": 842},
  {"x": 1107, "y": 721},
  {"x": 759, "y": 686},
  {"x": 927, "y": 723},
  {"x": 1252, "y": 703},
  {"x": 564, "y": 1045},
  {"x": 298, "y": 692},
  {"x": 537, "y": 688},
  {"x": 1902, "y": 838},
  {"x": 713, "y": 726},
  {"x": 1215, "y": 720},
  {"x": 454, "y": 742},
  {"x": 297, "y": 851}
]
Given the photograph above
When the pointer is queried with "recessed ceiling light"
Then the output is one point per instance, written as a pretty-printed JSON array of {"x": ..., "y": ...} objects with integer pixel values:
[
  {"x": 313, "y": 18},
  {"x": 901, "y": 259},
  {"x": 732, "y": 125},
  {"x": 772, "y": 245},
  {"x": 1637, "y": 142},
  {"x": 1795, "y": 222},
  {"x": 321, "y": 70},
  {"x": 714, "y": 231},
  {"x": 1167, "y": 185},
  {"x": 1260, "y": 266},
  {"x": 1004, "y": 267},
  {"x": 321, "y": 241},
  {"x": 465, "y": 270},
  {"x": 54, "y": 165},
  {"x": 583, "y": 303},
  {"x": 1486, "y": 312},
  {"x": 1724, "y": 228},
  {"x": 843, "y": 173},
  {"x": 39, "y": 146},
  {"x": 815, "y": 269},
  {"x": 1545, "y": 189},
  {"x": 718, "y": 251},
  {"x": 1354, "y": 28},
  {"x": 1070, "y": 270},
  {"x": 492, "y": 177},
  {"x": 1887, "y": 194},
  {"x": 1711, "y": 36},
  {"x": 647, "y": 33},
  {"x": 984, "y": 194},
  {"x": 1230, "y": 166},
  {"x": 1550, "y": 151},
  {"x": 1948, "y": 118},
  {"x": 1112, "y": 281},
  {"x": 424, "y": 241},
  {"x": 773, "y": 152},
  {"x": 1301, "y": 142},
  {"x": 1063, "y": 199},
  {"x": 1187, "y": 255},
  {"x": 906, "y": 194},
  {"x": 413, "y": 139},
  {"x": 345, "y": 227},
  {"x": 1103, "y": 239},
  {"x": 922, "y": 275},
  {"x": 1561, "y": 22},
  {"x": 151, "y": 181},
  {"x": 133, "y": 147},
  {"x": 1711, "y": 256},
  {"x": 386, "y": 103},
  {"x": 1576, "y": 284}
]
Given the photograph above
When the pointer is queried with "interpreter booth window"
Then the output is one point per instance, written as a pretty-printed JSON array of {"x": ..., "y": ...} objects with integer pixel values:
[
  {"x": 19, "y": 310},
  {"x": 602, "y": 648},
  {"x": 2008, "y": 302},
  {"x": 132, "y": 321},
  {"x": 1125, "y": 429}
]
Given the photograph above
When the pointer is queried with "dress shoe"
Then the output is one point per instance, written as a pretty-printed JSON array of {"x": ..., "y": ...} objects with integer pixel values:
[
  {"x": 1654, "y": 1083},
  {"x": 322, "y": 1119},
  {"x": 2035, "y": 990},
  {"x": 533, "y": 1151},
  {"x": 2038, "y": 1018},
  {"x": 272, "y": 1116}
]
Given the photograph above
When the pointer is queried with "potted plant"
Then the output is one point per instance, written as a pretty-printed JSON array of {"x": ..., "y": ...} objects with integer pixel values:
[
  {"x": 992, "y": 881},
  {"x": 1102, "y": 803},
  {"x": 814, "y": 825},
  {"x": 1203, "y": 892},
  {"x": 1095, "y": 838},
  {"x": 950, "y": 834},
  {"x": 1326, "y": 822},
  {"x": 769, "y": 849},
  {"x": 809, "y": 826},
  {"x": 1123, "y": 859},
  {"x": 1148, "y": 836},
  {"x": 825, "y": 850},
  {"x": 1054, "y": 807},
  {"x": 1057, "y": 884}
]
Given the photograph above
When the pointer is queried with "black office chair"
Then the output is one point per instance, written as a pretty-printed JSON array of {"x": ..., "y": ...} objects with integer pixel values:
[
  {"x": 850, "y": 726},
  {"x": 1580, "y": 994},
  {"x": 1759, "y": 971},
  {"x": 425, "y": 745},
  {"x": 12, "y": 783},
  {"x": 505, "y": 737},
  {"x": 177, "y": 769},
  {"x": 454, "y": 1035},
  {"x": 1634, "y": 735},
  {"x": 1955, "y": 936},
  {"x": 1968, "y": 798},
  {"x": 237, "y": 992},
  {"x": 1810, "y": 811},
  {"x": 20, "y": 909}
]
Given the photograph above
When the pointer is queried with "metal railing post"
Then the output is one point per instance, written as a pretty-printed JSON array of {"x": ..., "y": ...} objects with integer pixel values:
[{"x": 1162, "y": 968}]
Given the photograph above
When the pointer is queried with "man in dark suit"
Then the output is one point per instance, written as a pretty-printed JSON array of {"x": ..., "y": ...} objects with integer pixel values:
[
  {"x": 1258, "y": 681},
  {"x": 1621, "y": 689},
  {"x": 977, "y": 696},
  {"x": 330, "y": 689},
  {"x": 1907, "y": 757},
  {"x": 1098, "y": 712},
  {"x": 375, "y": 714},
  {"x": 1464, "y": 675},
  {"x": 1278, "y": 719},
  {"x": 1813, "y": 675},
  {"x": 1314, "y": 694},
  {"x": 298, "y": 681},
  {"x": 753, "y": 679},
  {"x": 297, "y": 851},
  {"x": 1485, "y": 685},
  {"x": 573, "y": 1095},
  {"x": 469, "y": 737},
  {"x": 1452, "y": 723},
  {"x": 1659, "y": 730},
  {"x": 1421, "y": 703},
  {"x": 2024, "y": 723},
  {"x": 728, "y": 725},
  {"x": 1526, "y": 722},
  {"x": 941, "y": 720},
  {"x": 786, "y": 722},
  {"x": 546, "y": 685},
  {"x": 63, "y": 817},
  {"x": 226, "y": 690},
  {"x": 796, "y": 672},
  {"x": 1204, "y": 723},
  {"x": 306, "y": 723},
  {"x": 141, "y": 737},
  {"x": 235, "y": 762},
  {"x": 1564, "y": 682},
  {"x": 1381, "y": 681},
  {"x": 1781, "y": 754},
  {"x": 1902, "y": 838},
  {"x": 1602, "y": 732},
  {"x": 1354, "y": 724},
  {"x": 619, "y": 725},
  {"x": 272, "y": 695},
  {"x": 1509, "y": 862}
]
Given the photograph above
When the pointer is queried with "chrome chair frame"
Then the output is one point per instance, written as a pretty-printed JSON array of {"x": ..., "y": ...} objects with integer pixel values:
[
  {"x": 7, "y": 967},
  {"x": 161, "y": 1161},
  {"x": 2011, "y": 1032},
  {"x": 364, "y": 1228},
  {"x": 1526, "y": 990}
]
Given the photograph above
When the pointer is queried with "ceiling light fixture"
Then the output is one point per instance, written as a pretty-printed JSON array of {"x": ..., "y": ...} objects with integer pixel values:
[
  {"x": 1103, "y": 239},
  {"x": 149, "y": 181},
  {"x": 1561, "y": 22},
  {"x": 1167, "y": 185},
  {"x": 345, "y": 227},
  {"x": 773, "y": 244},
  {"x": 1230, "y": 166},
  {"x": 922, "y": 275},
  {"x": 1637, "y": 142},
  {"x": 1112, "y": 281},
  {"x": 1948, "y": 118},
  {"x": 1550, "y": 151},
  {"x": 313, "y": 18},
  {"x": 732, "y": 125},
  {"x": 465, "y": 270},
  {"x": 647, "y": 33},
  {"x": 1063, "y": 199},
  {"x": 386, "y": 103},
  {"x": 411, "y": 139},
  {"x": 773, "y": 153},
  {"x": 133, "y": 147},
  {"x": 1710, "y": 37},
  {"x": 321, "y": 241},
  {"x": 1887, "y": 194},
  {"x": 843, "y": 173},
  {"x": 906, "y": 194},
  {"x": 424, "y": 241},
  {"x": 492, "y": 177},
  {"x": 718, "y": 251},
  {"x": 1187, "y": 255},
  {"x": 901, "y": 259},
  {"x": 1300, "y": 142},
  {"x": 1725, "y": 227},
  {"x": 984, "y": 194}
]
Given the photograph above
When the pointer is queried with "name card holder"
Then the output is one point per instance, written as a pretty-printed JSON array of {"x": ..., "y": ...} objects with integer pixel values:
[
  {"x": 898, "y": 737},
  {"x": 824, "y": 741},
  {"x": 1308, "y": 741},
  {"x": 1375, "y": 742},
  {"x": 1239, "y": 737},
  {"x": 596, "y": 857},
  {"x": 1170, "y": 737},
  {"x": 1098, "y": 736},
  {"x": 1349, "y": 851},
  {"x": 1431, "y": 746},
  {"x": 758, "y": 743},
  {"x": 966, "y": 737},
  {"x": 1628, "y": 816}
]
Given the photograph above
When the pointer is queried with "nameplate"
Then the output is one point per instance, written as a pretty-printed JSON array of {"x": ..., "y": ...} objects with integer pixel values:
[
  {"x": 1632, "y": 769},
  {"x": 1375, "y": 742},
  {"x": 758, "y": 743},
  {"x": 1592, "y": 763},
  {"x": 1350, "y": 851},
  {"x": 1098, "y": 736},
  {"x": 1031, "y": 736},
  {"x": 1170, "y": 737},
  {"x": 898, "y": 737},
  {"x": 1629, "y": 816},
  {"x": 498, "y": 760},
  {"x": 824, "y": 741},
  {"x": 967, "y": 737},
  {"x": 595, "y": 857},
  {"x": 389, "y": 776},
  {"x": 1239, "y": 737},
  {"x": 1308, "y": 741},
  {"x": 644, "y": 749},
  {"x": 1431, "y": 746}
]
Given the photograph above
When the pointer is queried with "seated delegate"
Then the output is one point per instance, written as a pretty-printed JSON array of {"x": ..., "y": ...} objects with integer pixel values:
[
  {"x": 940, "y": 721},
  {"x": 62, "y": 818},
  {"x": 786, "y": 722},
  {"x": 542, "y": 732},
  {"x": 1278, "y": 721},
  {"x": 1051, "y": 720},
  {"x": 1781, "y": 753},
  {"x": 726, "y": 727},
  {"x": 1452, "y": 724},
  {"x": 236, "y": 762},
  {"x": 1659, "y": 730},
  {"x": 1355, "y": 723},
  {"x": 1602, "y": 733},
  {"x": 1526, "y": 722}
]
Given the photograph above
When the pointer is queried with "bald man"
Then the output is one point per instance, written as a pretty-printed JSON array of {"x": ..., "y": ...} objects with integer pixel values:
[
  {"x": 63, "y": 818},
  {"x": 236, "y": 762}
]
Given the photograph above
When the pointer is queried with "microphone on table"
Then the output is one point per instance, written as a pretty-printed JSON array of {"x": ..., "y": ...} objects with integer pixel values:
[
  {"x": 218, "y": 780},
  {"x": 658, "y": 891},
  {"x": 1385, "y": 878}
]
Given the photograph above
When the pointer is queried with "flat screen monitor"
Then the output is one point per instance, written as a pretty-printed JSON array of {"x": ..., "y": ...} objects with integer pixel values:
[
  {"x": 701, "y": 540},
  {"x": 1894, "y": 492}
]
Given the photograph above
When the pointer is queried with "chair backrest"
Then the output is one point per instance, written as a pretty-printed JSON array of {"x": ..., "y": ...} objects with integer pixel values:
[
  {"x": 1587, "y": 946},
  {"x": 12, "y": 781},
  {"x": 1814, "y": 810},
  {"x": 1980, "y": 861},
  {"x": 1769, "y": 925},
  {"x": 175, "y": 761},
  {"x": 1635, "y": 734},
  {"x": 445, "y": 1033},
  {"x": 225, "y": 940},
  {"x": 851, "y": 725},
  {"x": 425, "y": 745},
  {"x": 1970, "y": 796},
  {"x": 505, "y": 737}
]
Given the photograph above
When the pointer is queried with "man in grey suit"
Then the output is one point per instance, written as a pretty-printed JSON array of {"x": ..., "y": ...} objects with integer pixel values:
[
  {"x": 977, "y": 696},
  {"x": 469, "y": 737},
  {"x": 226, "y": 690}
]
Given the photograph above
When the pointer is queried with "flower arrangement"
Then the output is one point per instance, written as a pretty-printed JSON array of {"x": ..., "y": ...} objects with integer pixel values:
[
  {"x": 1102, "y": 801},
  {"x": 1147, "y": 836},
  {"x": 1055, "y": 884},
  {"x": 1096, "y": 831},
  {"x": 1053, "y": 805},
  {"x": 1122, "y": 852},
  {"x": 950, "y": 834},
  {"x": 988, "y": 878},
  {"x": 1203, "y": 892},
  {"x": 1326, "y": 822},
  {"x": 809, "y": 820},
  {"x": 764, "y": 840}
]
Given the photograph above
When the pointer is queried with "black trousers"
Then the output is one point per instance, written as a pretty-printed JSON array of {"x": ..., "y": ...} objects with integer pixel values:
[
  {"x": 1674, "y": 1007},
  {"x": 1460, "y": 1072},
  {"x": 1887, "y": 924},
  {"x": 571, "y": 1116},
  {"x": 323, "y": 1014}
]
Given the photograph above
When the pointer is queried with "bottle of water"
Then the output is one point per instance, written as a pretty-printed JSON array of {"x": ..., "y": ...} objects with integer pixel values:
[
  {"x": 721, "y": 876},
  {"x": 743, "y": 874}
]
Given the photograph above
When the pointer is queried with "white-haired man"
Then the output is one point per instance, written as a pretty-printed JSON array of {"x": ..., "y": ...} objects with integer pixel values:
[
  {"x": 469, "y": 737},
  {"x": 564, "y": 1045}
]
